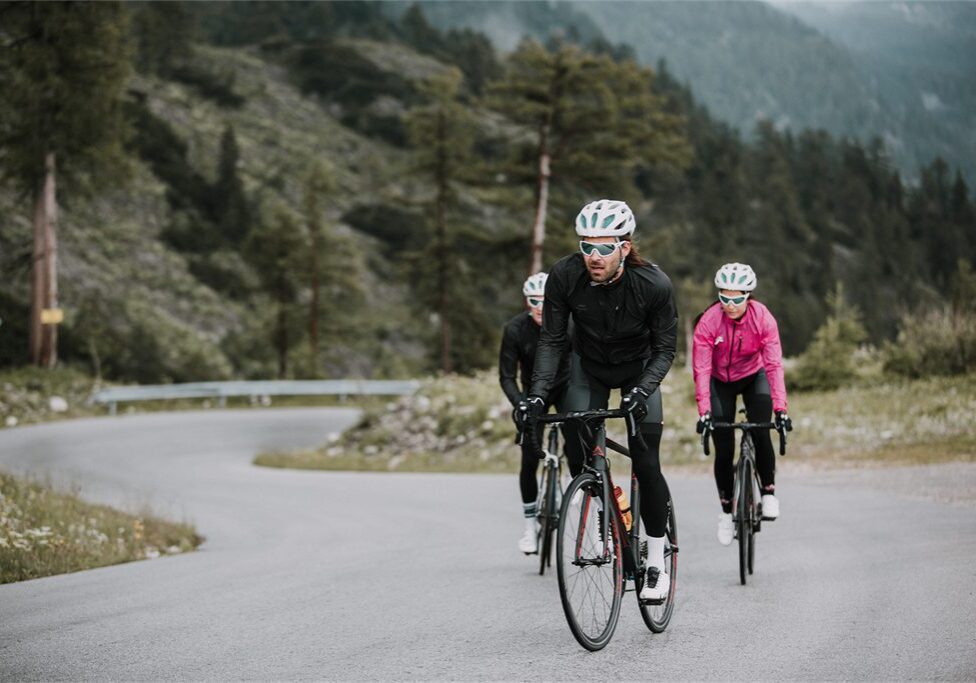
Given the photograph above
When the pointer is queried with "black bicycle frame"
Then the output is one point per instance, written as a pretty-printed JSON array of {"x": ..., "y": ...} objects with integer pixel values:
[{"x": 594, "y": 432}]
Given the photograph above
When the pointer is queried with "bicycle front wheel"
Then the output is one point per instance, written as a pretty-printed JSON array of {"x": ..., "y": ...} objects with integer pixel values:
[
  {"x": 548, "y": 516},
  {"x": 657, "y": 616},
  {"x": 589, "y": 563},
  {"x": 744, "y": 523}
]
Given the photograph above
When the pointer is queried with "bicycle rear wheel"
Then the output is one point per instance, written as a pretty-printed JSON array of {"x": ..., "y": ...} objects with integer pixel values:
[
  {"x": 657, "y": 616},
  {"x": 744, "y": 523},
  {"x": 590, "y": 570},
  {"x": 548, "y": 516}
]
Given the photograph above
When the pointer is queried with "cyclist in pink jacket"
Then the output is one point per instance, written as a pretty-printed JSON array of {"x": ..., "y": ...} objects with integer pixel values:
[{"x": 737, "y": 351}]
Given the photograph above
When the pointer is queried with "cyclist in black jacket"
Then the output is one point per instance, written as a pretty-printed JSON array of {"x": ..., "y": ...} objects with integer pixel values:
[
  {"x": 625, "y": 337},
  {"x": 519, "y": 341}
]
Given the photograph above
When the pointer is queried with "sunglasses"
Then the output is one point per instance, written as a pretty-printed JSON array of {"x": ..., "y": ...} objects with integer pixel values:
[
  {"x": 589, "y": 248},
  {"x": 734, "y": 300},
  {"x": 534, "y": 302}
]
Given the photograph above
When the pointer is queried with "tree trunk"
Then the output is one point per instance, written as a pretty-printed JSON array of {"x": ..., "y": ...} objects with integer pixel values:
[
  {"x": 313, "y": 312},
  {"x": 443, "y": 255},
  {"x": 282, "y": 339},
  {"x": 539, "y": 228},
  {"x": 44, "y": 283}
]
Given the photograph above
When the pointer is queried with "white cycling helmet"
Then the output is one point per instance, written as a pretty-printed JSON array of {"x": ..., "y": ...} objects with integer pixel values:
[
  {"x": 737, "y": 277},
  {"x": 535, "y": 286},
  {"x": 605, "y": 218}
]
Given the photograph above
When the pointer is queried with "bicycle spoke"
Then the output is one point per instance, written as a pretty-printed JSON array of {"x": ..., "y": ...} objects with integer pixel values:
[{"x": 589, "y": 570}]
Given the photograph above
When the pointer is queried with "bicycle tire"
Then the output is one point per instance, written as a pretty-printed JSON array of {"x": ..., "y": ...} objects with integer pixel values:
[
  {"x": 656, "y": 617},
  {"x": 744, "y": 523},
  {"x": 548, "y": 519},
  {"x": 590, "y": 591}
]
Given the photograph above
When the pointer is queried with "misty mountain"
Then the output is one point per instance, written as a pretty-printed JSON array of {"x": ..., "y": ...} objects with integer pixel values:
[{"x": 895, "y": 71}]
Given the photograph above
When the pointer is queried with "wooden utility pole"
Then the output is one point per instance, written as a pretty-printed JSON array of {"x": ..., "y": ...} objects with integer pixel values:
[{"x": 45, "y": 314}]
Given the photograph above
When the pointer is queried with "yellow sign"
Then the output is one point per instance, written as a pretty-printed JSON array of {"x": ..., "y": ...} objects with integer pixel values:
[{"x": 51, "y": 316}]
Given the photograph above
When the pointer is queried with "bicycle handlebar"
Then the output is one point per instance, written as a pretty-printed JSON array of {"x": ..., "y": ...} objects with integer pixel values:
[
  {"x": 580, "y": 415},
  {"x": 744, "y": 426},
  {"x": 589, "y": 416}
]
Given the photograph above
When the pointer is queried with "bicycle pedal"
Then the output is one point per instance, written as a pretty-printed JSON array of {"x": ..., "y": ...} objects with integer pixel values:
[{"x": 659, "y": 601}]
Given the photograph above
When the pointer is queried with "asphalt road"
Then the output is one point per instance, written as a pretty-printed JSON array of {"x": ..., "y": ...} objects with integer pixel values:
[{"x": 315, "y": 575}]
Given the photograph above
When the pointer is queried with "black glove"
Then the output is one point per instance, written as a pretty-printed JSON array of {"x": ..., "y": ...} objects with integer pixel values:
[
  {"x": 783, "y": 421},
  {"x": 533, "y": 406},
  {"x": 635, "y": 403},
  {"x": 704, "y": 423}
]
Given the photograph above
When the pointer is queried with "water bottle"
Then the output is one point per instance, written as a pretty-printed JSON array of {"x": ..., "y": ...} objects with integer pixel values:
[{"x": 624, "y": 506}]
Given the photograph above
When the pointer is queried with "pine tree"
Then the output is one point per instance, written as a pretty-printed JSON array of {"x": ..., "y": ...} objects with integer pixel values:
[
  {"x": 275, "y": 249},
  {"x": 442, "y": 133},
  {"x": 64, "y": 66},
  {"x": 230, "y": 207},
  {"x": 317, "y": 183},
  {"x": 590, "y": 121}
]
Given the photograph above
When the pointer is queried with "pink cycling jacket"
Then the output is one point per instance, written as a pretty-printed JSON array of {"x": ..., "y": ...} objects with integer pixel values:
[{"x": 729, "y": 350}]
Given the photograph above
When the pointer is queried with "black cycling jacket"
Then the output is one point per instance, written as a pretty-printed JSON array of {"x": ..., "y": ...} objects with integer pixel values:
[
  {"x": 634, "y": 318},
  {"x": 519, "y": 342}
]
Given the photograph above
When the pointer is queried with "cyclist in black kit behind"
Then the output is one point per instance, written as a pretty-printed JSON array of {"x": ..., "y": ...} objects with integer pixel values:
[
  {"x": 519, "y": 341},
  {"x": 624, "y": 337}
]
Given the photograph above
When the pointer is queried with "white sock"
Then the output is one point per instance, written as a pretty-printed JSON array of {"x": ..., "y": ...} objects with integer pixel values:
[{"x": 655, "y": 552}]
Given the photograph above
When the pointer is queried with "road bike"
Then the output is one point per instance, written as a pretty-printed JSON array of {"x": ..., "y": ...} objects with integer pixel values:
[
  {"x": 597, "y": 556},
  {"x": 550, "y": 497},
  {"x": 746, "y": 489}
]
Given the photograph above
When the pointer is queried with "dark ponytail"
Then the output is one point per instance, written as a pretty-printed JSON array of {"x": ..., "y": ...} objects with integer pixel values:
[{"x": 634, "y": 259}]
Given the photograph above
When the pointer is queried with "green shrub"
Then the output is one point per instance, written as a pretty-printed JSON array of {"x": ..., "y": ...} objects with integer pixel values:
[
  {"x": 829, "y": 362},
  {"x": 937, "y": 342}
]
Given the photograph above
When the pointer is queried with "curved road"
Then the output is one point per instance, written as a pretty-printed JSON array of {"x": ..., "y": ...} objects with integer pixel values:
[{"x": 315, "y": 575}]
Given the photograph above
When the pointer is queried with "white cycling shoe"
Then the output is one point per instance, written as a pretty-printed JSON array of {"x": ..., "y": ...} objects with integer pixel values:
[
  {"x": 770, "y": 507},
  {"x": 656, "y": 585},
  {"x": 726, "y": 530},
  {"x": 529, "y": 543}
]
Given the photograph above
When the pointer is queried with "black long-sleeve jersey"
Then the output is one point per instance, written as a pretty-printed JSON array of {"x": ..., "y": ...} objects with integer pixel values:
[
  {"x": 633, "y": 318},
  {"x": 519, "y": 342}
]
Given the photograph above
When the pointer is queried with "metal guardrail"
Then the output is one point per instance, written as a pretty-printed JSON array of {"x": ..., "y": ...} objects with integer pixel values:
[{"x": 222, "y": 390}]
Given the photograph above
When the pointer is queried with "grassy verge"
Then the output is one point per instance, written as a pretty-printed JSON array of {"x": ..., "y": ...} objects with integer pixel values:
[
  {"x": 461, "y": 424},
  {"x": 44, "y": 532}
]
